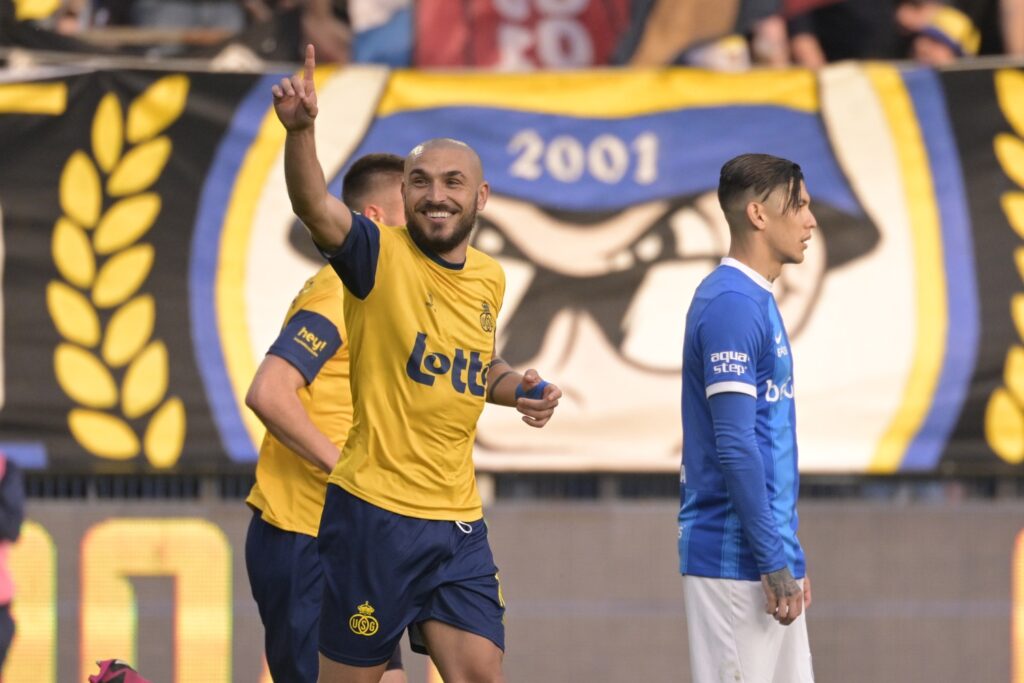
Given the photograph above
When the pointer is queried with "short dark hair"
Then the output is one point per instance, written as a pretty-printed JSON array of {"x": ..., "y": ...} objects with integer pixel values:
[
  {"x": 762, "y": 173},
  {"x": 365, "y": 175}
]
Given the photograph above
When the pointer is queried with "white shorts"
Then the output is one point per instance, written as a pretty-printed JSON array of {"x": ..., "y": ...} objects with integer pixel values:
[{"x": 733, "y": 639}]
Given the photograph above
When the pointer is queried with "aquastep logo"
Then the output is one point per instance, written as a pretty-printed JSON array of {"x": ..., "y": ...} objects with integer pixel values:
[
  {"x": 466, "y": 369},
  {"x": 729, "y": 362}
]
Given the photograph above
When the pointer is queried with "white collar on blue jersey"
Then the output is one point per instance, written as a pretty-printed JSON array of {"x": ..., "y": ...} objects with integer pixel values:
[{"x": 748, "y": 271}]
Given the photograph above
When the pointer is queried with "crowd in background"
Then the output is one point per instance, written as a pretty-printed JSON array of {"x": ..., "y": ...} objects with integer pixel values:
[{"x": 527, "y": 34}]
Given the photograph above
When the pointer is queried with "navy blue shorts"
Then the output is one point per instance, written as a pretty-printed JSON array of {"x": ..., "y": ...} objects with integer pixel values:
[
  {"x": 384, "y": 572},
  {"x": 287, "y": 583}
]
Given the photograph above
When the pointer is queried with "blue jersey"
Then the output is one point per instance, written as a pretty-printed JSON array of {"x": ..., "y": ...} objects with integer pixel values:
[{"x": 739, "y": 480}]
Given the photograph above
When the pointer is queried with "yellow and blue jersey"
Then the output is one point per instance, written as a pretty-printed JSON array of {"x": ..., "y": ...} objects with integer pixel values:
[
  {"x": 421, "y": 333},
  {"x": 289, "y": 491}
]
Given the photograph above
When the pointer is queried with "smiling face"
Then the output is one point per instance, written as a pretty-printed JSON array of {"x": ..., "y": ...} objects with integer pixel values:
[
  {"x": 443, "y": 190},
  {"x": 788, "y": 229}
]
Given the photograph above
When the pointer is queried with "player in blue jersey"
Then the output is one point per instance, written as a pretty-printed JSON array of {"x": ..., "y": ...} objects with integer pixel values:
[
  {"x": 743, "y": 569},
  {"x": 402, "y": 539}
]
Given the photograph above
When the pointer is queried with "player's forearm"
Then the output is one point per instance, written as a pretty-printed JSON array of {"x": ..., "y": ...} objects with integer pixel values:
[
  {"x": 307, "y": 190},
  {"x": 285, "y": 418},
  {"x": 743, "y": 470},
  {"x": 502, "y": 381}
]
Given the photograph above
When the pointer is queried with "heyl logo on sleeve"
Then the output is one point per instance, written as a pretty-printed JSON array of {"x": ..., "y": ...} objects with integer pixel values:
[
  {"x": 729, "y": 363},
  {"x": 310, "y": 341},
  {"x": 466, "y": 372}
]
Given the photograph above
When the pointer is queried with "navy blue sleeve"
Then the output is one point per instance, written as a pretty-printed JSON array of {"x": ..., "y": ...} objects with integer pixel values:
[
  {"x": 307, "y": 341},
  {"x": 734, "y": 415},
  {"x": 355, "y": 261}
]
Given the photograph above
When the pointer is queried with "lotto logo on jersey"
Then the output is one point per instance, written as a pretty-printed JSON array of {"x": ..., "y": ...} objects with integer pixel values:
[
  {"x": 310, "y": 341},
  {"x": 729, "y": 363},
  {"x": 464, "y": 369}
]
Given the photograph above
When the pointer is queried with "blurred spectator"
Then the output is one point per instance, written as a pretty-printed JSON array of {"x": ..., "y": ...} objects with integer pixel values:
[
  {"x": 946, "y": 35},
  {"x": 1000, "y": 22},
  {"x": 730, "y": 53},
  {"x": 662, "y": 31},
  {"x": 279, "y": 30},
  {"x": 769, "y": 43},
  {"x": 699, "y": 33},
  {"x": 325, "y": 24},
  {"x": 834, "y": 30}
]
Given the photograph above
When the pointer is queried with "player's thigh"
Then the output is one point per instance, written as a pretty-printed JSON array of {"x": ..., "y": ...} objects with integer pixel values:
[
  {"x": 395, "y": 671},
  {"x": 287, "y": 584},
  {"x": 284, "y": 571},
  {"x": 794, "y": 663},
  {"x": 374, "y": 564},
  {"x": 467, "y": 593},
  {"x": 394, "y": 676},
  {"x": 336, "y": 672},
  {"x": 461, "y": 656},
  {"x": 730, "y": 636}
]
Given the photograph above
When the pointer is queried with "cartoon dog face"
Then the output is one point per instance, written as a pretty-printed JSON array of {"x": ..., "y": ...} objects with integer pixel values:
[{"x": 598, "y": 301}]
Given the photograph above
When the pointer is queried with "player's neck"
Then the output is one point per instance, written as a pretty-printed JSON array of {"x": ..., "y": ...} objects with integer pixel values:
[
  {"x": 456, "y": 255},
  {"x": 757, "y": 259}
]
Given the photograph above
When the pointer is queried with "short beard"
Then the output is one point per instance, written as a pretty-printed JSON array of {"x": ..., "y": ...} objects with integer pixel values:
[{"x": 439, "y": 245}]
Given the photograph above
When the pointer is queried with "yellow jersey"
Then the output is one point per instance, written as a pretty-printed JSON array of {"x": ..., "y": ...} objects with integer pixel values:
[
  {"x": 421, "y": 335},
  {"x": 289, "y": 491}
]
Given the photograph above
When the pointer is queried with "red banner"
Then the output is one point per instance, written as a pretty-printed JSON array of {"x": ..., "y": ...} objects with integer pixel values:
[{"x": 517, "y": 35}]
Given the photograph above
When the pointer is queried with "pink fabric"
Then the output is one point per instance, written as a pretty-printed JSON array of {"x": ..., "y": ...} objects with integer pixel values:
[{"x": 116, "y": 671}]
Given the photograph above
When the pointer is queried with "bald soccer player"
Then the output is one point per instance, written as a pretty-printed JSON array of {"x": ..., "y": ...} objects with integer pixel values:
[{"x": 402, "y": 538}]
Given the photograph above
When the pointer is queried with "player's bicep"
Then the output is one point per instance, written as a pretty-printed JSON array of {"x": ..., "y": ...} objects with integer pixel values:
[
  {"x": 306, "y": 342},
  {"x": 355, "y": 261},
  {"x": 279, "y": 374},
  {"x": 730, "y": 336}
]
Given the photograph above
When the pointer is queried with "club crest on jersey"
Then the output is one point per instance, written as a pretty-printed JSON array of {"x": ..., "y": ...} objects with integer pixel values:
[
  {"x": 486, "y": 319},
  {"x": 465, "y": 369},
  {"x": 363, "y": 623}
]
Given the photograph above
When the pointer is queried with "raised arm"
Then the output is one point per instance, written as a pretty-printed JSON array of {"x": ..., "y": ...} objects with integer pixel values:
[{"x": 325, "y": 216}]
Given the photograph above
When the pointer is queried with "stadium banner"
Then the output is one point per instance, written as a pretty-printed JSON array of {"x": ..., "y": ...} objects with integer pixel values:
[
  {"x": 149, "y": 253},
  {"x": 162, "y": 584}
]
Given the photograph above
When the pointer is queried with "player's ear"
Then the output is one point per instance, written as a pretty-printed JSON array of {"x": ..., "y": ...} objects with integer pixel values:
[
  {"x": 373, "y": 212},
  {"x": 756, "y": 215},
  {"x": 482, "y": 194}
]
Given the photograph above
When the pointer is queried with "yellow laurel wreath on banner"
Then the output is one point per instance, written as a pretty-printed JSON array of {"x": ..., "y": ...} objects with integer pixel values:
[
  {"x": 1004, "y": 414},
  {"x": 108, "y": 363}
]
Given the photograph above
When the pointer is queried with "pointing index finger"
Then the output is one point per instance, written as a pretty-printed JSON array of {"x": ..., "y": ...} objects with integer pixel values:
[{"x": 310, "y": 63}]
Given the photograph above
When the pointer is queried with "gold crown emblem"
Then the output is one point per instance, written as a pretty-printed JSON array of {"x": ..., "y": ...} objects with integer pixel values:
[{"x": 362, "y": 624}]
